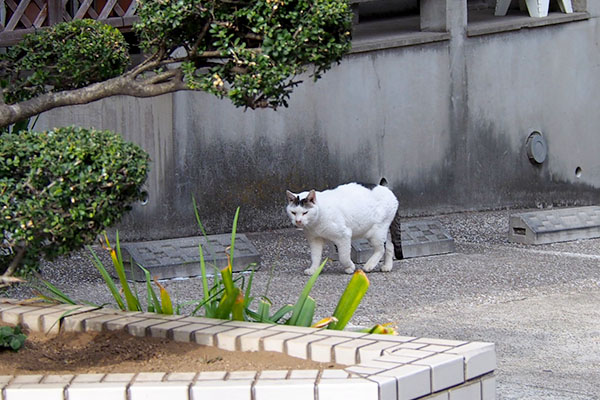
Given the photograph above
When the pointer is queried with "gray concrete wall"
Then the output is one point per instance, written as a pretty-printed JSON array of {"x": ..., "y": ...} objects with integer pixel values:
[{"x": 444, "y": 122}]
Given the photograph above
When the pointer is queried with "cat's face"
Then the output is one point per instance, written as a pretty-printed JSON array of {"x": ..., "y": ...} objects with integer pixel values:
[{"x": 302, "y": 210}]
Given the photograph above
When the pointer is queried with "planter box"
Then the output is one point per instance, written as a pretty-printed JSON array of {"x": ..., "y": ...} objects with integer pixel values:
[{"x": 379, "y": 367}]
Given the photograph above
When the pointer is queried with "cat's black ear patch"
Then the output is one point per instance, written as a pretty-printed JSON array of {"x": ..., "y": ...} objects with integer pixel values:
[
  {"x": 369, "y": 186},
  {"x": 292, "y": 198}
]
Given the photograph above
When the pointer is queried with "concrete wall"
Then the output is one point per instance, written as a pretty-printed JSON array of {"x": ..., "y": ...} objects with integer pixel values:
[{"x": 444, "y": 122}]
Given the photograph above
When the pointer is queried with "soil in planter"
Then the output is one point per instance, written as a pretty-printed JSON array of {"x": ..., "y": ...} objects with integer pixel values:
[{"x": 114, "y": 352}]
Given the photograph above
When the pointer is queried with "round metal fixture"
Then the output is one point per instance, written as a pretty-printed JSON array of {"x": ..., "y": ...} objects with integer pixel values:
[
  {"x": 145, "y": 197},
  {"x": 578, "y": 172},
  {"x": 537, "y": 149}
]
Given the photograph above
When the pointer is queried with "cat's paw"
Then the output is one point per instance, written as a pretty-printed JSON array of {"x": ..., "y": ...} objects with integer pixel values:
[
  {"x": 386, "y": 268},
  {"x": 309, "y": 271},
  {"x": 368, "y": 268},
  {"x": 350, "y": 270}
]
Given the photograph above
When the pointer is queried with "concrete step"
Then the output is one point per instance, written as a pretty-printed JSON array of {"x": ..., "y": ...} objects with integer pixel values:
[
  {"x": 420, "y": 238},
  {"x": 556, "y": 225},
  {"x": 177, "y": 258}
]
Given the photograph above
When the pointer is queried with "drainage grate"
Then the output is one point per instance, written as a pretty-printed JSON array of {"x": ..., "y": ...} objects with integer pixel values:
[
  {"x": 419, "y": 239},
  {"x": 179, "y": 258},
  {"x": 550, "y": 226}
]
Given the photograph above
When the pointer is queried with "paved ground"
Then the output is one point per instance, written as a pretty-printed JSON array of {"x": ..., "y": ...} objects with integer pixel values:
[{"x": 539, "y": 304}]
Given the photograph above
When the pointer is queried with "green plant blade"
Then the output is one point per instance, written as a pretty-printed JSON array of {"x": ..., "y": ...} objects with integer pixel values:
[
  {"x": 195, "y": 205},
  {"x": 303, "y": 296},
  {"x": 226, "y": 304},
  {"x": 165, "y": 298},
  {"x": 264, "y": 308},
  {"x": 325, "y": 322},
  {"x": 117, "y": 259},
  {"x": 209, "y": 311},
  {"x": 233, "y": 232},
  {"x": 237, "y": 311},
  {"x": 227, "y": 276},
  {"x": 108, "y": 280},
  {"x": 247, "y": 298},
  {"x": 256, "y": 316},
  {"x": 282, "y": 312},
  {"x": 351, "y": 298},
  {"x": 305, "y": 317},
  {"x": 153, "y": 303},
  {"x": 58, "y": 295}
]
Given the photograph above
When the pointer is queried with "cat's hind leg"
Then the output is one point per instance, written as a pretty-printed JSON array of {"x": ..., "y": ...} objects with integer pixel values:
[
  {"x": 388, "y": 261},
  {"x": 316, "y": 251},
  {"x": 378, "y": 250},
  {"x": 344, "y": 247}
]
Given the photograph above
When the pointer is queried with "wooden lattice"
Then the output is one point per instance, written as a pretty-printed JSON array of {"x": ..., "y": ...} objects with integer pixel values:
[{"x": 18, "y": 17}]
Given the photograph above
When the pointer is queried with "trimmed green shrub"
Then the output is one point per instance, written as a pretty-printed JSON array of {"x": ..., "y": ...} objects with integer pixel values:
[
  {"x": 68, "y": 55},
  {"x": 59, "y": 189},
  {"x": 248, "y": 51}
]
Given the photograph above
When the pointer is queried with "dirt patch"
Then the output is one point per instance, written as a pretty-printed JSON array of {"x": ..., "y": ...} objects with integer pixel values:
[{"x": 114, "y": 352}]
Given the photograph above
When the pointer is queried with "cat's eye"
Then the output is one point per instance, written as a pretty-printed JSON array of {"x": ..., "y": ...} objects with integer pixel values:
[{"x": 305, "y": 212}]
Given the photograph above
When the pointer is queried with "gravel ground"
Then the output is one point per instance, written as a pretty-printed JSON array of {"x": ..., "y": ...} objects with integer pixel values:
[{"x": 539, "y": 304}]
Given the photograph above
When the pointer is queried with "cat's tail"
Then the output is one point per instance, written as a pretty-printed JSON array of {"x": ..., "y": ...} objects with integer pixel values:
[{"x": 396, "y": 234}]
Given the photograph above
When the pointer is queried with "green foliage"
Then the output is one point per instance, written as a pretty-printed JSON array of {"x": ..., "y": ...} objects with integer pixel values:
[
  {"x": 226, "y": 299},
  {"x": 68, "y": 55},
  {"x": 59, "y": 189},
  {"x": 350, "y": 299},
  {"x": 131, "y": 301},
  {"x": 11, "y": 337},
  {"x": 248, "y": 51}
]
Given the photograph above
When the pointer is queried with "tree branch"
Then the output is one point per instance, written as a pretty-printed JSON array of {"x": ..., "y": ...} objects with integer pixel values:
[
  {"x": 6, "y": 278},
  {"x": 126, "y": 85}
]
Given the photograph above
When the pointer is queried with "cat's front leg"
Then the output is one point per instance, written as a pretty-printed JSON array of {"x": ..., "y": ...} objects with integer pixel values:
[
  {"x": 316, "y": 251},
  {"x": 344, "y": 247}
]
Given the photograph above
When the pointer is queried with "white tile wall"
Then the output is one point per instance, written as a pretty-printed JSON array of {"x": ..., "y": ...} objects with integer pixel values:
[
  {"x": 388, "y": 389},
  {"x": 466, "y": 392},
  {"x": 162, "y": 330},
  {"x": 184, "y": 333},
  {"x": 480, "y": 358},
  {"x": 246, "y": 375},
  {"x": 213, "y": 389},
  {"x": 335, "y": 389},
  {"x": 413, "y": 381},
  {"x": 118, "y": 378},
  {"x": 277, "y": 342},
  {"x": 32, "y": 391},
  {"x": 227, "y": 340},
  {"x": 212, "y": 375},
  {"x": 158, "y": 390},
  {"x": 252, "y": 341},
  {"x": 97, "y": 391},
  {"x": 446, "y": 370},
  {"x": 296, "y": 389},
  {"x": 321, "y": 350},
  {"x": 488, "y": 388},
  {"x": 347, "y": 353},
  {"x": 298, "y": 347},
  {"x": 206, "y": 336}
]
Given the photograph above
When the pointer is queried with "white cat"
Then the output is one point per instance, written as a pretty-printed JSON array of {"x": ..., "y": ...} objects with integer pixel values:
[{"x": 345, "y": 213}]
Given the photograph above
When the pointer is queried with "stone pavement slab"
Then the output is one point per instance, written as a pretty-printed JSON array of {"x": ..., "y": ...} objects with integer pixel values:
[
  {"x": 420, "y": 238},
  {"x": 177, "y": 258},
  {"x": 555, "y": 225}
]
